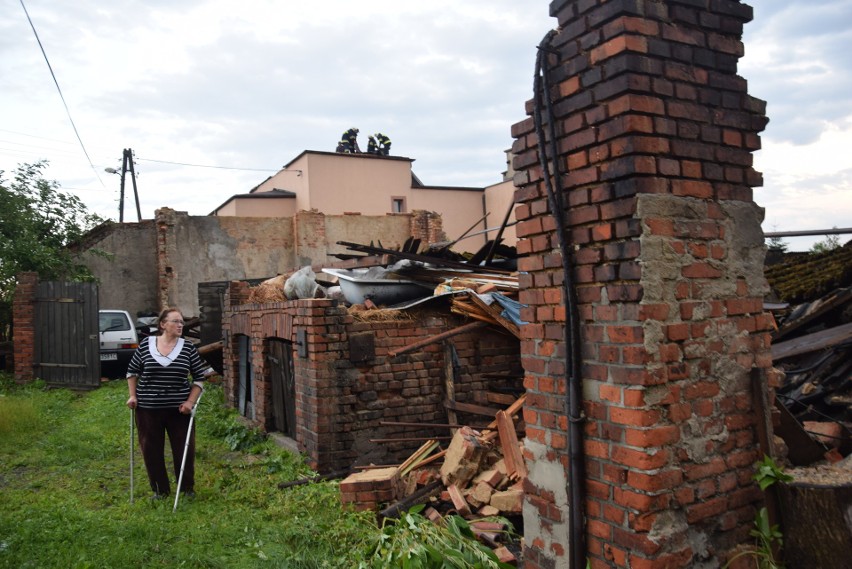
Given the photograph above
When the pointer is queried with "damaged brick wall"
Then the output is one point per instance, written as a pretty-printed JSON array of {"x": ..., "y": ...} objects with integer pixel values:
[
  {"x": 346, "y": 382},
  {"x": 655, "y": 134}
]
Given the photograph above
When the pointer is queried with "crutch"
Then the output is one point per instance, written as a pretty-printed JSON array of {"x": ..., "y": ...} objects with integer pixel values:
[
  {"x": 132, "y": 444},
  {"x": 186, "y": 450}
]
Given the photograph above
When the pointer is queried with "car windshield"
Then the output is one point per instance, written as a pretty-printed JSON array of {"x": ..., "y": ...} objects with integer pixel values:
[{"x": 112, "y": 322}]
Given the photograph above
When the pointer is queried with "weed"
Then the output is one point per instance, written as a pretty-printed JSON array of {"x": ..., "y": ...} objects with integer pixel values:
[{"x": 767, "y": 536}]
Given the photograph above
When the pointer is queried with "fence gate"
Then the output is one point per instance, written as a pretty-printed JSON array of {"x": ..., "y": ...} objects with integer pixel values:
[{"x": 66, "y": 334}]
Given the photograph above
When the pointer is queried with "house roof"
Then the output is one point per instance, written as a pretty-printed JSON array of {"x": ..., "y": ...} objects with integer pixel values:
[
  {"x": 804, "y": 277},
  {"x": 360, "y": 155},
  {"x": 275, "y": 193}
]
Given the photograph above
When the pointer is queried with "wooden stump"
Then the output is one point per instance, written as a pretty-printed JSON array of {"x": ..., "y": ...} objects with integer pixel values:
[{"x": 817, "y": 522}]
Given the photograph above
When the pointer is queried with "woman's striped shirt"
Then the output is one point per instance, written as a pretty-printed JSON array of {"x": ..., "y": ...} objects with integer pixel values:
[{"x": 163, "y": 381}]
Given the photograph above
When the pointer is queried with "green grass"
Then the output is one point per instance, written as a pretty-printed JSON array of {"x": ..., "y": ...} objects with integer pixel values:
[{"x": 65, "y": 489}]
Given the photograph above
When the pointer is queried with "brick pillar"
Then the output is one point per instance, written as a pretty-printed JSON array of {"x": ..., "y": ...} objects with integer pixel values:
[
  {"x": 655, "y": 134},
  {"x": 427, "y": 226},
  {"x": 310, "y": 242},
  {"x": 317, "y": 393},
  {"x": 166, "y": 243},
  {"x": 23, "y": 326}
]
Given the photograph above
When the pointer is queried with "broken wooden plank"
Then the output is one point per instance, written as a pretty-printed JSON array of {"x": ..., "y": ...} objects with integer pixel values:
[
  {"x": 815, "y": 310},
  {"x": 450, "y": 357},
  {"x": 511, "y": 450},
  {"x": 209, "y": 348},
  {"x": 494, "y": 310},
  {"x": 420, "y": 453},
  {"x": 812, "y": 342},
  {"x": 500, "y": 398},
  {"x": 511, "y": 410},
  {"x": 437, "y": 338}
]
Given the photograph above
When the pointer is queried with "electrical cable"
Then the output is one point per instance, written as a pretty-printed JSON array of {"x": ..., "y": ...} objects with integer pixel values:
[
  {"x": 61, "y": 96},
  {"x": 573, "y": 388},
  {"x": 209, "y": 166}
]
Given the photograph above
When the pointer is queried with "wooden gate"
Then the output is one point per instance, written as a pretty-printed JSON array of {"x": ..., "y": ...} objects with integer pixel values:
[
  {"x": 66, "y": 334},
  {"x": 281, "y": 376}
]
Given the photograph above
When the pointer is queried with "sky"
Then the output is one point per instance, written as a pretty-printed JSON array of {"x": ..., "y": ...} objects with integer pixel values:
[{"x": 213, "y": 96}]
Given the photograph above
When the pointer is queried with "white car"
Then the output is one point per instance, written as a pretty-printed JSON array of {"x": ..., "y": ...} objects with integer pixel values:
[{"x": 118, "y": 341}]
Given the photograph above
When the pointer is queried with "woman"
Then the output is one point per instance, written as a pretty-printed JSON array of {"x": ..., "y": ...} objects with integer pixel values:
[{"x": 160, "y": 391}]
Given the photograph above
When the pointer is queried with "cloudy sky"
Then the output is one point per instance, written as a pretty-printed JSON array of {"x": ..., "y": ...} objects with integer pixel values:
[{"x": 215, "y": 95}]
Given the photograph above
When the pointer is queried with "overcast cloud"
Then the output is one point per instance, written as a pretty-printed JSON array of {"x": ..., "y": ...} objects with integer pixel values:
[{"x": 252, "y": 84}]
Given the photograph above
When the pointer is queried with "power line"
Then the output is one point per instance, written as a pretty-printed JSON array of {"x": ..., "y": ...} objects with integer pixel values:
[
  {"x": 61, "y": 96},
  {"x": 207, "y": 165}
]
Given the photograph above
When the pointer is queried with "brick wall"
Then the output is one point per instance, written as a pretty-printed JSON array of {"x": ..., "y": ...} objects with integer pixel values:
[
  {"x": 347, "y": 385},
  {"x": 23, "y": 326},
  {"x": 655, "y": 134}
]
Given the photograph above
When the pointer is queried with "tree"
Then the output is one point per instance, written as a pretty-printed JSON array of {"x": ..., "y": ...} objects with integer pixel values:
[
  {"x": 830, "y": 243},
  {"x": 778, "y": 244},
  {"x": 37, "y": 223}
]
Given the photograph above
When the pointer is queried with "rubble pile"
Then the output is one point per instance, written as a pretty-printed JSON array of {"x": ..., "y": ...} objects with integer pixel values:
[{"x": 479, "y": 476}]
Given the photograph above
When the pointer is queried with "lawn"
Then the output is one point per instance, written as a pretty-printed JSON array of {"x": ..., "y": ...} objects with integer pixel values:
[{"x": 65, "y": 493}]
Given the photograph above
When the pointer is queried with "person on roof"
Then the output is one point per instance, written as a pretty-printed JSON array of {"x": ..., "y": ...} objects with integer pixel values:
[
  {"x": 349, "y": 142},
  {"x": 384, "y": 143},
  {"x": 372, "y": 147}
]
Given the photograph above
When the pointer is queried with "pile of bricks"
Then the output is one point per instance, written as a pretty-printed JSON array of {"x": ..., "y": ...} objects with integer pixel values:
[
  {"x": 370, "y": 489},
  {"x": 479, "y": 475}
]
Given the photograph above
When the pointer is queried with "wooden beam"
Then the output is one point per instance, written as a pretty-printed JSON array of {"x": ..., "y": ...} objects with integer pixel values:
[
  {"x": 437, "y": 338},
  {"x": 812, "y": 342}
]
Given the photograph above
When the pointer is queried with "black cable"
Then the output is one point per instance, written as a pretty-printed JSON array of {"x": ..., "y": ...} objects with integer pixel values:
[
  {"x": 573, "y": 389},
  {"x": 814, "y": 411},
  {"x": 207, "y": 166},
  {"x": 61, "y": 96}
]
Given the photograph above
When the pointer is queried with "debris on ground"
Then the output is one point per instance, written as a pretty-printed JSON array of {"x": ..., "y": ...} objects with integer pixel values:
[{"x": 478, "y": 476}]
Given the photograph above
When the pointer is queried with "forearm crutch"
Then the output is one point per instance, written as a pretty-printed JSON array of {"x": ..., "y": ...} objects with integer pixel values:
[
  {"x": 132, "y": 445},
  {"x": 186, "y": 449}
]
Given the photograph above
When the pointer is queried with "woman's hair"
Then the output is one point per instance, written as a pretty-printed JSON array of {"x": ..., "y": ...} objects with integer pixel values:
[{"x": 164, "y": 315}]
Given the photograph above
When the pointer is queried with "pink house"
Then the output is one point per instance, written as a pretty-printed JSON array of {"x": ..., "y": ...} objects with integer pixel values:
[{"x": 335, "y": 184}]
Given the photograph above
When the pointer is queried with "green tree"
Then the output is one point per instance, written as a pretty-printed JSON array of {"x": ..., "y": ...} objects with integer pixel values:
[
  {"x": 830, "y": 243},
  {"x": 778, "y": 244},
  {"x": 37, "y": 223}
]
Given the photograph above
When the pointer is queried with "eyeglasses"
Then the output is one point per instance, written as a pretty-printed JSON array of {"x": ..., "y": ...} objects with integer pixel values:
[{"x": 178, "y": 322}]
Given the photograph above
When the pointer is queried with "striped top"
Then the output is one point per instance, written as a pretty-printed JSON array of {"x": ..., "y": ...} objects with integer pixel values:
[{"x": 163, "y": 381}]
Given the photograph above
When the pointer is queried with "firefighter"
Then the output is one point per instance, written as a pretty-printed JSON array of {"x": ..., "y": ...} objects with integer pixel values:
[
  {"x": 384, "y": 144},
  {"x": 349, "y": 142},
  {"x": 372, "y": 147}
]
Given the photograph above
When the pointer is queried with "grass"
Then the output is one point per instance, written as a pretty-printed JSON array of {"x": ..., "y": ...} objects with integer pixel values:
[{"x": 64, "y": 493}]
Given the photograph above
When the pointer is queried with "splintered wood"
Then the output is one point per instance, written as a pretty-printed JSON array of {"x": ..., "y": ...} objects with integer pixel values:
[{"x": 480, "y": 474}]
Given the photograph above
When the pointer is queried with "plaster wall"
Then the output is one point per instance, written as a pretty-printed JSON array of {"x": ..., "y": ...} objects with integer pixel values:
[
  {"x": 261, "y": 207},
  {"x": 153, "y": 264},
  {"x": 498, "y": 199},
  {"x": 126, "y": 271},
  {"x": 459, "y": 208}
]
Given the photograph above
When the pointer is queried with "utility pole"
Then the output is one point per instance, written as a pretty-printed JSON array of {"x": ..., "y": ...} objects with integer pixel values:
[{"x": 126, "y": 164}]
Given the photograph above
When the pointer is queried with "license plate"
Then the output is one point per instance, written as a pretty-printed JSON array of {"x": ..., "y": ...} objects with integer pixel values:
[{"x": 108, "y": 357}]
